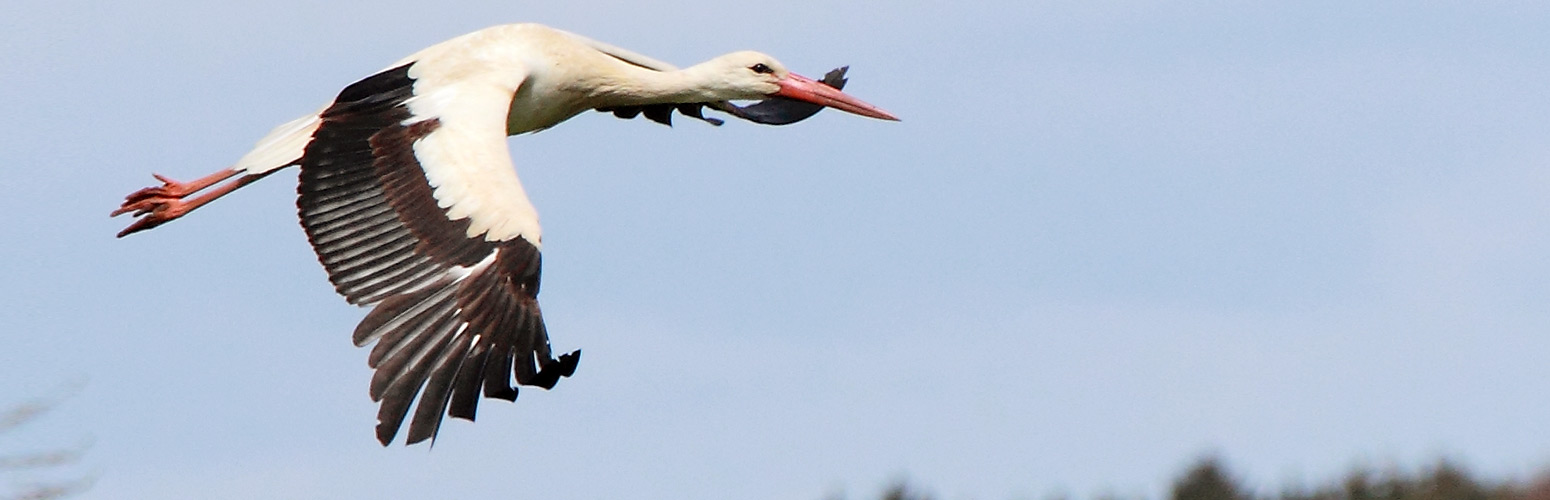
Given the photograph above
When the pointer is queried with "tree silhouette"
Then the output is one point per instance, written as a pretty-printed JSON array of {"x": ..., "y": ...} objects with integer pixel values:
[{"x": 1208, "y": 480}]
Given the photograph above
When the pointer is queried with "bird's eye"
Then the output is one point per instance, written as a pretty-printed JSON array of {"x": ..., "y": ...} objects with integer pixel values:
[{"x": 761, "y": 69}]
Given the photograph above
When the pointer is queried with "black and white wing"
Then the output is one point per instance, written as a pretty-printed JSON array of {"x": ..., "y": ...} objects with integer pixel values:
[{"x": 410, "y": 200}]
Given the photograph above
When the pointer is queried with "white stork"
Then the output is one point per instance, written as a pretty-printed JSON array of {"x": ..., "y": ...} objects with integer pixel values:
[{"x": 408, "y": 195}]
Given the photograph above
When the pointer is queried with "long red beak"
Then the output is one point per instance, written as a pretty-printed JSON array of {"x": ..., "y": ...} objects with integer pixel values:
[{"x": 802, "y": 88}]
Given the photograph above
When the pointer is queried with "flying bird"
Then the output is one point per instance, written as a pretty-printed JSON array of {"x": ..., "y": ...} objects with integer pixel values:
[{"x": 409, "y": 197}]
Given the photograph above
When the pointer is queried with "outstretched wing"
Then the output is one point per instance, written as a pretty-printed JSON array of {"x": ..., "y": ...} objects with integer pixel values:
[{"x": 410, "y": 200}]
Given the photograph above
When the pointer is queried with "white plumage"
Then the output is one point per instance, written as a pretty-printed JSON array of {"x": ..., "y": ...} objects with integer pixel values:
[{"x": 409, "y": 197}]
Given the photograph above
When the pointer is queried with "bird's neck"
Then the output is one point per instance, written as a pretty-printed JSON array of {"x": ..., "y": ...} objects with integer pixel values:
[
  {"x": 554, "y": 98},
  {"x": 635, "y": 86}
]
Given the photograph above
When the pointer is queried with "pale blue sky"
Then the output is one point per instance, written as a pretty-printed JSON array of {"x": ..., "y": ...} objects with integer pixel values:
[{"x": 1106, "y": 238}]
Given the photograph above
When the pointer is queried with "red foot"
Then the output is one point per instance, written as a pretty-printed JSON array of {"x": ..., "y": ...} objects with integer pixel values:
[
  {"x": 152, "y": 212},
  {"x": 158, "y": 204},
  {"x": 169, "y": 189}
]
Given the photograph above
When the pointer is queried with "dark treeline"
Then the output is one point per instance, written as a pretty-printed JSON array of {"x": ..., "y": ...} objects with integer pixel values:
[{"x": 1210, "y": 479}]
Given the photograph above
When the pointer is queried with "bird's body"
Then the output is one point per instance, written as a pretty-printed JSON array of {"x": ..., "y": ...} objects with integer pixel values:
[{"x": 410, "y": 199}]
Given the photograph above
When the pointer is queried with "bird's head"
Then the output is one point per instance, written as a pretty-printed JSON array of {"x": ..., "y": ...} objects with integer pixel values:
[{"x": 751, "y": 75}]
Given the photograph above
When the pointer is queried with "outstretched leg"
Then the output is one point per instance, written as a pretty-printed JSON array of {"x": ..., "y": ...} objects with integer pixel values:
[{"x": 158, "y": 204}]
